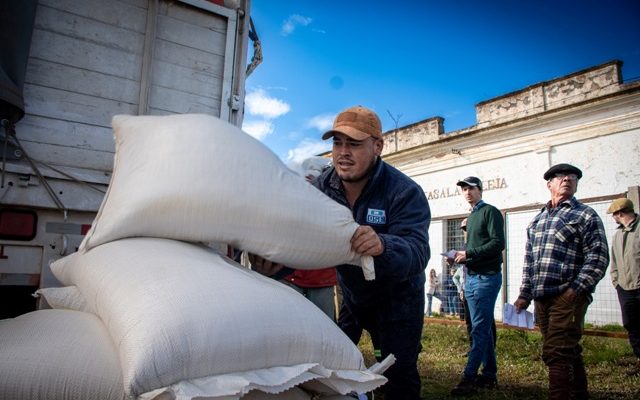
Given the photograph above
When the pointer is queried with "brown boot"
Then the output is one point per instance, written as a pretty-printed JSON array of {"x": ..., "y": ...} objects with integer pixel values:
[
  {"x": 560, "y": 379},
  {"x": 579, "y": 388}
]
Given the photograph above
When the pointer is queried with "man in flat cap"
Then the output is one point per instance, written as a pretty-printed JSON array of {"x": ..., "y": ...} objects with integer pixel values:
[
  {"x": 394, "y": 219},
  {"x": 483, "y": 260},
  {"x": 566, "y": 255},
  {"x": 625, "y": 270}
]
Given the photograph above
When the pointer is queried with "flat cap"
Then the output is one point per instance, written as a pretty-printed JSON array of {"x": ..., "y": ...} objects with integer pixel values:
[
  {"x": 619, "y": 205},
  {"x": 562, "y": 168}
]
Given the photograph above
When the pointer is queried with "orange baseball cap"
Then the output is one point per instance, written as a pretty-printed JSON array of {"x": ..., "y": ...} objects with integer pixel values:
[{"x": 356, "y": 122}]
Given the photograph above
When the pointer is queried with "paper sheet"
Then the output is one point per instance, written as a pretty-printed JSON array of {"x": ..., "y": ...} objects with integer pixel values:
[
  {"x": 451, "y": 254},
  {"x": 524, "y": 319}
]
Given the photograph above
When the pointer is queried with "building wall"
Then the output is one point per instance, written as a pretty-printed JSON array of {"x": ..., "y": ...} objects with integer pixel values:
[
  {"x": 588, "y": 119},
  {"x": 512, "y": 181},
  {"x": 580, "y": 86},
  {"x": 423, "y": 132}
]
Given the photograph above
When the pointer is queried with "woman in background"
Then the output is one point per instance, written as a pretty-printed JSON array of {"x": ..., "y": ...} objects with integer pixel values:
[{"x": 432, "y": 289}]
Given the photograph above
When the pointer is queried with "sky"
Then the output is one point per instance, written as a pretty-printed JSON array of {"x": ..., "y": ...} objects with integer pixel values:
[{"x": 414, "y": 60}]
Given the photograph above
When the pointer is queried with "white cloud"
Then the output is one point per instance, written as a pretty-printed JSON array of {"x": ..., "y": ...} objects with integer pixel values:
[
  {"x": 294, "y": 20},
  {"x": 306, "y": 149},
  {"x": 259, "y": 103},
  {"x": 322, "y": 122},
  {"x": 258, "y": 129}
]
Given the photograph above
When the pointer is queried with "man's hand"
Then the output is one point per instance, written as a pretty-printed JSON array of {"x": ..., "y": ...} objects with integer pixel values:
[
  {"x": 521, "y": 304},
  {"x": 461, "y": 295},
  {"x": 570, "y": 295},
  {"x": 366, "y": 242},
  {"x": 264, "y": 266},
  {"x": 461, "y": 257}
]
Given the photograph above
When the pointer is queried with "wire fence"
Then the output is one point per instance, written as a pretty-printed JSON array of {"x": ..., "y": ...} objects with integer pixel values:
[{"x": 604, "y": 310}]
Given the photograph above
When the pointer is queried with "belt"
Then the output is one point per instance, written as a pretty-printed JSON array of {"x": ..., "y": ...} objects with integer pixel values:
[{"x": 486, "y": 273}]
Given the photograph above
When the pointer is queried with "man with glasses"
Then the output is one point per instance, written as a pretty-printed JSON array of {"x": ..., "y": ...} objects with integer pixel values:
[{"x": 566, "y": 255}]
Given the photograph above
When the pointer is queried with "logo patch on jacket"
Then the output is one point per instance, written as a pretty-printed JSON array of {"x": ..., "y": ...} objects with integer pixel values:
[{"x": 377, "y": 217}]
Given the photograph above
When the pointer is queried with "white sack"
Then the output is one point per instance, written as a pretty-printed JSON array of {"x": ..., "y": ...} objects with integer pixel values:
[
  {"x": 314, "y": 166},
  {"x": 56, "y": 355},
  {"x": 64, "y": 298},
  {"x": 181, "y": 315},
  {"x": 197, "y": 178},
  {"x": 293, "y": 394}
]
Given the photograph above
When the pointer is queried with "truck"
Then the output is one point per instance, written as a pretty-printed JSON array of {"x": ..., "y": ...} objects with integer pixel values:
[{"x": 66, "y": 68}]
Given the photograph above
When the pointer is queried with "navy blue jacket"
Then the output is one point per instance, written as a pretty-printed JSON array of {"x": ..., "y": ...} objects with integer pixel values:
[{"x": 397, "y": 209}]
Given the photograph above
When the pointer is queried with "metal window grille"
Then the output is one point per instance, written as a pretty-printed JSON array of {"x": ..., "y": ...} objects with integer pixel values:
[
  {"x": 455, "y": 240},
  {"x": 455, "y": 235},
  {"x": 605, "y": 308}
]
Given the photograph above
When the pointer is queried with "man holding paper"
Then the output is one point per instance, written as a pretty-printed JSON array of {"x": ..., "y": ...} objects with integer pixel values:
[
  {"x": 566, "y": 255},
  {"x": 483, "y": 259}
]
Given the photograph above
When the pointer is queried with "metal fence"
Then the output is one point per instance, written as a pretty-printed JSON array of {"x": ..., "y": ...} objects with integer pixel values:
[{"x": 604, "y": 309}]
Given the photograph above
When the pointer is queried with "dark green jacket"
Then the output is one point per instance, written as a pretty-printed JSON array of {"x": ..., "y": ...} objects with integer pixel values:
[{"x": 485, "y": 240}]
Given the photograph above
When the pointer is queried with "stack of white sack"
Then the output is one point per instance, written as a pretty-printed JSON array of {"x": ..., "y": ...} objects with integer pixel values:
[
  {"x": 187, "y": 322},
  {"x": 58, "y": 355}
]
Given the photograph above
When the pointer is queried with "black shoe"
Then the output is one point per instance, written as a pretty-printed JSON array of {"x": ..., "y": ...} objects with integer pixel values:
[
  {"x": 486, "y": 383},
  {"x": 466, "y": 387}
]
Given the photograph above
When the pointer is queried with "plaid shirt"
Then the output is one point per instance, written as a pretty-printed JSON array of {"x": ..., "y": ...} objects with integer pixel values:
[{"x": 566, "y": 247}]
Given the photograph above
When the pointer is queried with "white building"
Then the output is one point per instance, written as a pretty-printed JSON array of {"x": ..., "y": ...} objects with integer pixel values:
[{"x": 590, "y": 119}]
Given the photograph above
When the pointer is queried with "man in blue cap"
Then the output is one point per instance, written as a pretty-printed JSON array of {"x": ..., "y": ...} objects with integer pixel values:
[{"x": 566, "y": 255}]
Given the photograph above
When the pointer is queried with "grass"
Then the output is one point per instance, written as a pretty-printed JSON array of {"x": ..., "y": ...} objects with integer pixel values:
[
  {"x": 606, "y": 328},
  {"x": 521, "y": 373}
]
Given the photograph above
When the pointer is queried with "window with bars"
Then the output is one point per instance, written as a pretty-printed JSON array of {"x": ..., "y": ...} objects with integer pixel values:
[
  {"x": 454, "y": 235},
  {"x": 454, "y": 240}
]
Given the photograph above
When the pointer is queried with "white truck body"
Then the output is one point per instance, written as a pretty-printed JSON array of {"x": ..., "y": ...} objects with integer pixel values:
[{"x": 90, "y": 60}]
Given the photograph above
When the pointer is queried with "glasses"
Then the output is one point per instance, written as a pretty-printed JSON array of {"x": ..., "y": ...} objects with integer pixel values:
[{"x": 561, "y": 176}]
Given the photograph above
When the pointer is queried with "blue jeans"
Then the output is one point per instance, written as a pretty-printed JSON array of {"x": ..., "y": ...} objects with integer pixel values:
[
  {"x": 429, "y": 301},
  {"x": 452, "y": 303},
  {"x": 481, "y": 292}
]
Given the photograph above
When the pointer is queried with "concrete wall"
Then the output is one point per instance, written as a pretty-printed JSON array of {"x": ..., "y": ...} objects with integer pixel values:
[
  {"x": 417, "y": 134},
  {"x": 516, "y": 180},
  {"x": 550, "y": 95}
]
